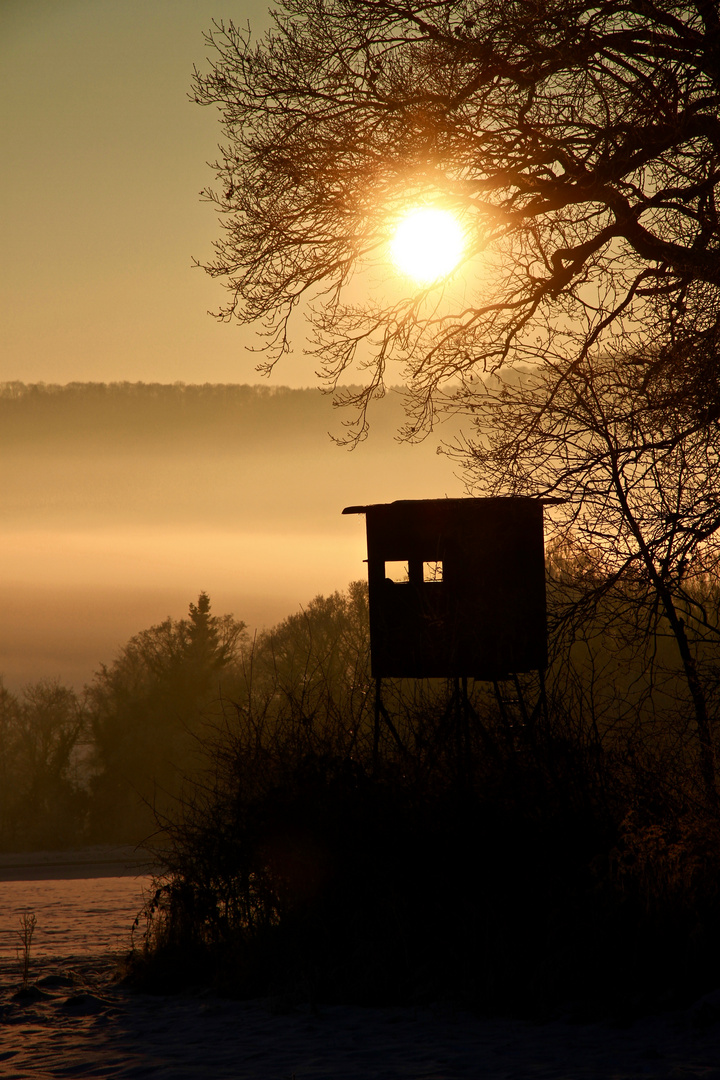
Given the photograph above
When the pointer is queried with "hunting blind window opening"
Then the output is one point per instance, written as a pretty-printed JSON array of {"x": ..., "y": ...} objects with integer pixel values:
[{"x": 397, "y": 571}]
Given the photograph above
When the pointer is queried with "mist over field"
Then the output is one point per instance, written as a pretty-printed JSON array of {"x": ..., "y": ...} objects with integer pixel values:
[{"x": 123, "y": 502}]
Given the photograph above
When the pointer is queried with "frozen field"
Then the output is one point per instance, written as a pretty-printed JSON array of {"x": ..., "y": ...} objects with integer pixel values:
[
  {"x": 77, "y": 1021},
  {"x": 77, "y": 918}
]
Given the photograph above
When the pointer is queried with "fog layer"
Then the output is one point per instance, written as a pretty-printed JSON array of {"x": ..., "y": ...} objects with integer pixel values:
[{"x": 123, "y": 502}]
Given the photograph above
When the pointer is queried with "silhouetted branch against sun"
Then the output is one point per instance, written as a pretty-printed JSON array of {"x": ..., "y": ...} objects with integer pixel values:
[{"x": 576, "y": 145}]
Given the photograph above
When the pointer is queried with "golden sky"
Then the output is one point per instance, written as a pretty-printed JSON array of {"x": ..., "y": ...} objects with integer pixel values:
[{"x": 103, "y": 158}]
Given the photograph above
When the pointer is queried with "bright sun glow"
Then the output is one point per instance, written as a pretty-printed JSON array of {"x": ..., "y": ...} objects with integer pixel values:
[{"x": 428, "y": 244}]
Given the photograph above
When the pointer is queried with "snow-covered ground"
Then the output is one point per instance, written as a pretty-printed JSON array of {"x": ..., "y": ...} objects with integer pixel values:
[
  {"x": 76, "y": 918},
  {"x": 92, "y": 1028},
  {"x": 76, "y": 1021}
]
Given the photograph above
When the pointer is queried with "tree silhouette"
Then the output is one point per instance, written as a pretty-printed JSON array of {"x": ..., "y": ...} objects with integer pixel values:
[
  {"x": 577, "y": 140},
  {"x": 638, "y": 494},
  {"x": 43, "y": 801},
  {"x": 579, "y": 144},
  {"x": 144, "y": 708}
]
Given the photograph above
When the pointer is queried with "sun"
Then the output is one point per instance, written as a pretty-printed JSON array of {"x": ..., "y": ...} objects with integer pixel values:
[{"x": 428, "y": 244}]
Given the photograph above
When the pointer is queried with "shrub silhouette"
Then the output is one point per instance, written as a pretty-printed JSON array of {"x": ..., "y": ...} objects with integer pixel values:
[{"x": 533, "y": 862}]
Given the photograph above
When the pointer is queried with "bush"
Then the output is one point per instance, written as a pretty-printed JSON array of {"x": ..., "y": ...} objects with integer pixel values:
[{"x": 509, "y": 857}]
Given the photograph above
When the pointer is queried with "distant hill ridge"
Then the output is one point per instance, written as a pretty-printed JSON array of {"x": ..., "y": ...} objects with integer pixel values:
[{"x": 225, "y": 415}]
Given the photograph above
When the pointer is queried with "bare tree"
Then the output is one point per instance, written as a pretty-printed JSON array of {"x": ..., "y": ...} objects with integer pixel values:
[
  {"x": 578, "y": 141},
  {"x": 639, "y": 492},
  {"x": 579, "y": 144},
  {"x": 43, "y": 800}
]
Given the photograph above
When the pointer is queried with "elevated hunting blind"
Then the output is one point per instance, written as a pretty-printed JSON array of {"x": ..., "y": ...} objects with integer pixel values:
[{"x": 456, "y": 587}]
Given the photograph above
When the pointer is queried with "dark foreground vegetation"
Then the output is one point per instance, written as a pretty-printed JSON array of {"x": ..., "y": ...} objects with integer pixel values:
[{"x": 524, "y": 852}]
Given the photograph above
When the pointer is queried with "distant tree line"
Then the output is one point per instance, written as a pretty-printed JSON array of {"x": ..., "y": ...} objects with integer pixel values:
[
  {"x": 109, "y": 762},
  {"x": 124, "y": 414},
  {"x": 106, "y": 763}
]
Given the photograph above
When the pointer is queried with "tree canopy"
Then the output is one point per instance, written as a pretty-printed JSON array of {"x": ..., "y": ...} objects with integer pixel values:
[
  {"x": 577, "y": 140},
  {"x": 146, "y": 708},
  {"x": 578, "y": 144}
]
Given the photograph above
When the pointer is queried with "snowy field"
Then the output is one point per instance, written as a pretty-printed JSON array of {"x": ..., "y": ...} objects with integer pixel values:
[
  {"x": 77, "y": 918},
  {"x": 76, "y": 1021}
]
